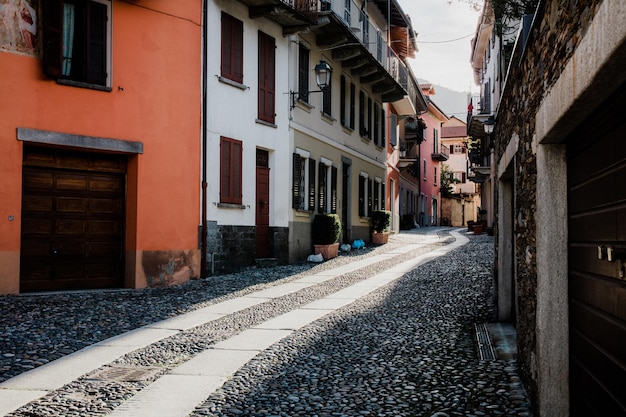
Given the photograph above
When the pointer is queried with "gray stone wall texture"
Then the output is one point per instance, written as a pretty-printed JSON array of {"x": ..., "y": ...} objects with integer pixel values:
[
  {"x": 559, "y": 27},
  {"x": 232, "y": 248}
]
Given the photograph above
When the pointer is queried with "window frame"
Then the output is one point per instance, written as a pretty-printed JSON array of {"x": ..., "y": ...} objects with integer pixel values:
[
  {"x": 303, "y": 186},
  {"x": 327, "y": 187},
  {"x": 304, "y": 57},
  {"x": 53, "y": 61}
]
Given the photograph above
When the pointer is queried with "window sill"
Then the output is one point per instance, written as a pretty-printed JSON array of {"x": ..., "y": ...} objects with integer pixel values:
[
  {"x": 347, "y": 129},
  {"x": 266, "y": 123},
  {"x": 303, "y": 213},
  {"x": 301, "y": 104},
  {"x": 231, "y": 206},
  {"x": 328, "y": 118},
  {"x": 232, "y": 83},
  {"x": 80, "y": 84}
]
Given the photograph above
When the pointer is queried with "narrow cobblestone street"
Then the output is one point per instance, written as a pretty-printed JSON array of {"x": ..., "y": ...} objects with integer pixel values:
[{"x": 406, "y": 348}]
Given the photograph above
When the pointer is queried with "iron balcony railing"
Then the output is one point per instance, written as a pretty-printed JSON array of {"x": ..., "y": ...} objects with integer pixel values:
[
  {"x": 441, "y": 153},
  {"x": 306, "y": 7},
  {"x": 370, "y": 36}
]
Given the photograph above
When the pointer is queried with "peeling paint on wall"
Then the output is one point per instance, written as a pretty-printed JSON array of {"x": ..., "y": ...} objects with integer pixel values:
[
  {"x": 18, "y": 26},
  {"x": 165, "y": 268}
]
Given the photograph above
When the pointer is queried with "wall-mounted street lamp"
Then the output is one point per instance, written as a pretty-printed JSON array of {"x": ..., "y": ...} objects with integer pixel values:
[
  {"x": 488, "y": 126},
  {"x": 323, "y": 72}
]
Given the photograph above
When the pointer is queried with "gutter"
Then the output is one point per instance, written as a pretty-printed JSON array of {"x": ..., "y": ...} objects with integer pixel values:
[{"x": 203, "y": 210}]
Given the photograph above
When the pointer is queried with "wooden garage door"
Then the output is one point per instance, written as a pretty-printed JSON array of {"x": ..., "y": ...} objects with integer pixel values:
[
  {"x": 597, "y": 225},
  {"x": 72, "y": 220}
]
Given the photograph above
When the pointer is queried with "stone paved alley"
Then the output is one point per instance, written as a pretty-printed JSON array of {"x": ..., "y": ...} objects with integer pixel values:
[{"x": 361, "y": 341}]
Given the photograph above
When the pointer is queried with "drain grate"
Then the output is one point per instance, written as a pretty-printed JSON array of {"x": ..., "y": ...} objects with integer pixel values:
[
  {"x": 485, "y": 348},
  {"x": 124, "y": 374}
]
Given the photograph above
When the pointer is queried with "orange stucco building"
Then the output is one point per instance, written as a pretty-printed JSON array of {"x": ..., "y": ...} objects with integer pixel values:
[{"x": 100, "y": 126}]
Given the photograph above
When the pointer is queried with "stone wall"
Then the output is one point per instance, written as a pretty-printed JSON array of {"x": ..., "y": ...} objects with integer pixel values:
[
  {"x": 232, "y": 248},
  {"x": 558, "y": 28}
]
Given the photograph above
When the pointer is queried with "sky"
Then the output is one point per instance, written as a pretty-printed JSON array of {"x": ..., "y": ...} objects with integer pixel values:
[{"x": 444, "y": 29}]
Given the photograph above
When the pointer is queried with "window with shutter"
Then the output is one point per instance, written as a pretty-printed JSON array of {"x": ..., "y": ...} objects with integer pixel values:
[
  {"x": 232, "y": 48},
  {"x": 322, "y": 190},
  {"x": 303, "y": 73},
  {"x": 296, "y": 185},
  {"x": 76, "y": 46},
  {"x": 376, "y": 195},
  {"x": 352, "y": 105},
  {"x": 311, "y": 205},
  {"x": 327, "y": 99},
  {"x": 369, "y": 118},
  {"x": 342, "y": 98},
  {"x": 362, "y": 196},
  {"x": 383, "y": 128},
  {"x": 370, "y": 193},
  {"x": 333, "y": 190},
  {"x": 393, "y": 129},
  {"x": 231, "y": 152},
  {"x": 376, "y": 124},
  {"x": 362, "y": 120},
  {"x": 267, "y": 81}
]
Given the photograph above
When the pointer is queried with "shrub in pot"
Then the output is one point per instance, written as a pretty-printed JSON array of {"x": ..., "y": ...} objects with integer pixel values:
[
  {"x": 326, "y": 231},
  {"x": 381, "y": 220}
]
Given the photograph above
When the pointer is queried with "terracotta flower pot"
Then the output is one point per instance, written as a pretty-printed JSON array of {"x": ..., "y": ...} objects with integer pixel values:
[
  {"x": 327, "y": 251},
  {"x": 380, "y": 238}
]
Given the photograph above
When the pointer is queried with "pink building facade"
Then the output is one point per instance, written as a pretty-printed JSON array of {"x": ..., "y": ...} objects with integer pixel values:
[{"x": 432, "y": 154}]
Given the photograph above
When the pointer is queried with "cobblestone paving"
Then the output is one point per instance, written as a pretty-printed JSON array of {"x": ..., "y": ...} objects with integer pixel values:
[{"x": 405, "y": 350}]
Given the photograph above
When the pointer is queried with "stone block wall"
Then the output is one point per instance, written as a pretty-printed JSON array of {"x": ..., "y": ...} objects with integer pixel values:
[
  {"x": 558, "y": 28},
  {"x": 233, "y": 248}
]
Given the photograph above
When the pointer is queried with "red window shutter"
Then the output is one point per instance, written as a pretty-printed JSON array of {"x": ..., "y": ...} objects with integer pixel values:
[
  {"x": 232, "y": 48},
  {"x": 230, "y": 171},
  {"x": 224, "y": 170},
  {"x": 267, "y": 89},
  {"x": 236, "y": 156}
]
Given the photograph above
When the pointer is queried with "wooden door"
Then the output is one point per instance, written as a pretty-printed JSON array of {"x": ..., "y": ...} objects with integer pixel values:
[
  {"x": 597, "y": 257},
  {"x": 72, "y": 220},
  {"x": 262, "y": 221}
]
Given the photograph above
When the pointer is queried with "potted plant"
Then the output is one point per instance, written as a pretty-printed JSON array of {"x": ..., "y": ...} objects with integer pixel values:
[
  {"x": 326, "y": 230},
  {"x": 381, "y": 220}
]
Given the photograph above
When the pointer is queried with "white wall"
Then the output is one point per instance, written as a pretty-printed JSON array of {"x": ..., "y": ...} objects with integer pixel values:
[{"x": 232, "y": 112}]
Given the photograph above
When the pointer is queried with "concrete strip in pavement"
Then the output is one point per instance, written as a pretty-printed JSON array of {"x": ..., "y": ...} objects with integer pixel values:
[
  {"x": 64, "y": 370},
  {"x": 12, "y": 399},
  {"x": 170, "y": 395}
]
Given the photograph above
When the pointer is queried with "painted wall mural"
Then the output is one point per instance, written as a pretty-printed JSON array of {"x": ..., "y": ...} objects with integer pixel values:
[{"x": 18, "y": 26}]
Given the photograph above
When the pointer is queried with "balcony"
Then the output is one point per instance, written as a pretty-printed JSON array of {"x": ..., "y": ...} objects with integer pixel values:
[
  {"x": 409, "y": 149},
  {"x": 360, "y": 47},
  {"x": 293, "y": 15},
  {"x": 440, "y": 153}
]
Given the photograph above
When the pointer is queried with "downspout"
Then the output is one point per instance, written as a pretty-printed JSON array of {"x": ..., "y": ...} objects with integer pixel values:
[{"x": 204, "y": 233}]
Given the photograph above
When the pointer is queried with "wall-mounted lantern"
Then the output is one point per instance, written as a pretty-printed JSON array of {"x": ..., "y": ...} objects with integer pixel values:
[{"x": 323, "y": 72}]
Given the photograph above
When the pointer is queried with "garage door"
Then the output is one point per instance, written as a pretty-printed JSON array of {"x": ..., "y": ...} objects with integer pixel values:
[
  {"x": 72, "y": 220},
  {"x": 597, "y": 253}
]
